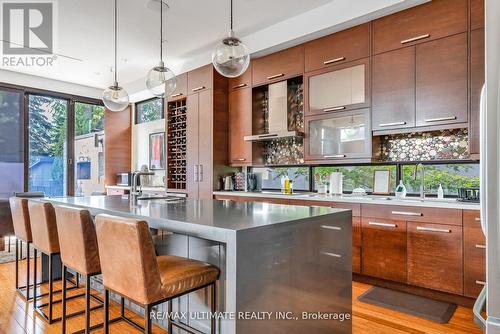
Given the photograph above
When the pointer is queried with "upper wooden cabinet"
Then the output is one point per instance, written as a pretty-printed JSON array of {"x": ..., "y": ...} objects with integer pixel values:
[
  {"x": 433, "y": 20},
  {"x": 240, "y": 125},
  {"x": 342, "y": 87},
  {"x": 181, "y": 89},
  {"x": 441, "y": 81},
  {"x": 476, "y": 14},
  {"x": 341, "y": 47},
  {"x": 477, "y": 64},
  {"x": 278, "y": 66},
  {"x": 243, "y": 81},
  {"x": 393, "y": 90},
  {"x": 200, "y": 79}
]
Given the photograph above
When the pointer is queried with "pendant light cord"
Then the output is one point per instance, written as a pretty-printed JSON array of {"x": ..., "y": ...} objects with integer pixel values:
[
  {"x": 231, "y": 15},
  {"x": 161, "y": 30},
  {"x": 116, "y": 38}
]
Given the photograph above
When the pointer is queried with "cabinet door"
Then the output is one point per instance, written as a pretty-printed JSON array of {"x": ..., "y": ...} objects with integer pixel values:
[
  {"x": 384, "y": 249},
  {"x": 476, "y": 14},
  {"x": 278, "y": 66},
  {"x": 441, "y": 90},
  {"x": 240, "y": 125},
  {"x": 474, "y": 254},
  {"x": 356, "y": 245},
  {"x": 181, "y": 89},
  {"x": 393, "y": 90},
  {"x": 341, "y": 47},
  {"x": 339, "y": 136},
  {"x": 433, "y": 20},
  {"x": 192, "y": 158},
  {"x": 243, "y": 81},
  {"x": 476, "y": 84},
  {"x": 200, "y": 79},
  {"x": 435, "y": 256},
  {"x": 205, "y": 145},
  {"x": 342, "y": 87}
]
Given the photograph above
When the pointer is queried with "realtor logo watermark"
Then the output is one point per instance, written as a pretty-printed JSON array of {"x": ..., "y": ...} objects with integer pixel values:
[{"x": 27, "y": 33}]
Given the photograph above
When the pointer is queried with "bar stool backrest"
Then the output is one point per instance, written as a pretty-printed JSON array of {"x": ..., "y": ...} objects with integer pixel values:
[
  {"x": 44, "y": 227},
  {"x": 77, "y": 240},
  {"x": 128, "y": 260},
  {"x": 21, "y": 218}
]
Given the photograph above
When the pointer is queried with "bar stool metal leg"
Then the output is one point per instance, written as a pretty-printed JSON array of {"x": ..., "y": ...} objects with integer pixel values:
[
  {"x": 214, "y": 309},
  {"x": 28, "y": 272},
  {"x": 106, "y": 311},
  {"x": 147, "y": 319},
  {"x": 169, "y": 321},
  {"x": 87, "y": 304},
  {"x": 64, "y": 299}
]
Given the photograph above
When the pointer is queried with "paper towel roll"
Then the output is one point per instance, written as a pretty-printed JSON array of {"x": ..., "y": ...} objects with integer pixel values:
[{"x": 336, "y": 183}]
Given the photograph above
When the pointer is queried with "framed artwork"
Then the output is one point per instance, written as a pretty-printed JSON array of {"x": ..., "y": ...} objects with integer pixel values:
[
  {"x": 381, "y": 182},
  {"x": 157, "y": 151}
]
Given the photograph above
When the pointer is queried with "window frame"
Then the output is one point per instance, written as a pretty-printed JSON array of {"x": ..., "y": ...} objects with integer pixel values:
[{"x": 136, "y": 109}]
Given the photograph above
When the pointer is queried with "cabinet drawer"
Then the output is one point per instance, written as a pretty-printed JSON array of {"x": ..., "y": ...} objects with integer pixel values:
[
  {"x": 474, "y": 254},
  {"x": 200, "y": 79},
  {"x": 415, "y": 214},
  {"x": 356, "y": 208},
  {"x": 384, "y": 249},
  {"x": 422, "y": 23},
  {"x": 278, "y": 66},
  {"x": 243, "y": 81},
  {"x": 435, "y": 256},
  {"x": 181, "y": 89},
  {"x": 341, "y": 47},
  {"x": 339, "y": 88},
  {"x": 356, "y": 260}
]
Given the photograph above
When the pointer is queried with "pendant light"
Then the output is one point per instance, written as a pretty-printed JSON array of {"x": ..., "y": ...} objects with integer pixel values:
[
  {"x": 230, "y": 58},
  {"x": 115, "y": 98},
  {"x": 161, "y": 80}
]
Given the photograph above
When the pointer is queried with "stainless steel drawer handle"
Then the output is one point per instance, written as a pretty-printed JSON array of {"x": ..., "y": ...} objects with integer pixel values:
[
  {"x": 331, "y": 254},
  {"x": 331, "y": 61},
  {"x": 198, "y": 88},
  {"x": 275, "y": 76},
  {"x": 481, "y": 282},
  {"x": 481, "y": 246},
  {"x": 382, "y": 224},
  {"x": 440, "y": 119},
  {"x": 240, "y": 159},
  {"x": 176, "y": 95},
  {"x": 240, "y": 86},
  {"x": 433, "y": 229},
  {"x": 336, "y": 156},
  {"x": 334, "y": 109},
  {"x": 391, "y": 124},
  {"x": 328, "y": 227},
  {"x": 417, "y": 38},
  {"x": 406, "y": 213},
  {"x": 478, "y": 219},
  {"x": 268, "y": 136}
]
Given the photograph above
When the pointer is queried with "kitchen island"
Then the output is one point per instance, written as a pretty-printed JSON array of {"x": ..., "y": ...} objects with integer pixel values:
[{"x": 284, "y": 269}]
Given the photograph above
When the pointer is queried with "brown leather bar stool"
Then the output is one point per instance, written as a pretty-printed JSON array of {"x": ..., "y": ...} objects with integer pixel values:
[
  {"x": 131, "y": 269},
  {"x": 45, "y": 240}
]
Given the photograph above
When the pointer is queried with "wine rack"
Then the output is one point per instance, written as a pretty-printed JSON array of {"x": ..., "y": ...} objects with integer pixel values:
[{"x": 176, "y": 145}]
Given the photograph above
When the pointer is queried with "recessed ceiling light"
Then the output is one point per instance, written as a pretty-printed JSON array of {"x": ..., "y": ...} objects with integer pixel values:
[{"x": 154, "y": 5}]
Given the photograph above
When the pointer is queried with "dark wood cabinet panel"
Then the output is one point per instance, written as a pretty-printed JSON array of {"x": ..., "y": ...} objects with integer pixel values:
[
  {"x": 192, "y": 145},
  {"x": 278, "y": 66},
  {"x": 435, "y": 256},
  {"x": 343, "y": 46},
  {"x": 416, "y": 214},
  {"x": 384, "y": 249},
  {"x": 393, "y": 90},
  {"x": 477, "y": 66},
  {"x": 474, "y": 254},
  {"x": 433, "y": 20},
  {"x": 476, "y": 14},
  {"x": 200, "y": 79},
  {"x": 441, "y": 81},
  {"x": 205, "y": 144},
  {"x": 240, "y": 125},
  {"x": 181, "y": 89},
  {"x": 118, "y": 129},
  {"x": 243, "y": 81}
]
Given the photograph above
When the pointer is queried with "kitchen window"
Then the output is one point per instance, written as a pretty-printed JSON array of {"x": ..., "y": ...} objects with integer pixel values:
[
  {"x": 149, "y": 110},
  {"x": 271, "y": 177}
]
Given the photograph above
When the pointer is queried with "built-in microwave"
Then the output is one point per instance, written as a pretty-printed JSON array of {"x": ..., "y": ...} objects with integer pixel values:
[{"x": 125, "y": 179}]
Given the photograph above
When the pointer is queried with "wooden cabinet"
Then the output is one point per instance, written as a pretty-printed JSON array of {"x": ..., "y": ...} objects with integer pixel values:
[
  {"x": 393, "y": 90},
  {"x": 200, "y": 79},
  {"x": 240, "y": 125},
  {"x": 181, "y": 89},
  {"x": 278, "y": 66},
  {"x": 435, "y": 256},
  {"x": 342, "y": 87},
  {"x": 441, "y": 81},
  {"x": 414, "y": 213},
  {"x": 243, "y": 81},
  {"x": 476, "y": 14},
  {"x": 474, "y": 254},
  {"x": 342, "y": 135},
  {"x": 343, "y": 46},
  {"x": 476, "y": 84},
  {"x": 384, "y": 248},
  {"x": 430, "y": 21}
]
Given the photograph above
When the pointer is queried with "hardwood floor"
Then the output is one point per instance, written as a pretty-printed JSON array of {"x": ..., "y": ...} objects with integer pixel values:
[{"x": 16, "y": 316}]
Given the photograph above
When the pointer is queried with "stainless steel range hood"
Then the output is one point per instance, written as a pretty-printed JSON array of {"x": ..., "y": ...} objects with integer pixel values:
[{"x": 278, "y": 115}]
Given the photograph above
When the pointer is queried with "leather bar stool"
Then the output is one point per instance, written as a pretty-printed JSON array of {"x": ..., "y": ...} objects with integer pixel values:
[
  {"x": 45, "y": 240},
  {"x": 131, "y": 269}
]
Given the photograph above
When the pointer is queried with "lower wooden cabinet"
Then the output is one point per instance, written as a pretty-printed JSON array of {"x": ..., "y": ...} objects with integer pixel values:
[
  {"x": 384, "y": 249},
  {"x": 356, "y": 245},
  {"x": 435, "y": 256},
  {"x": 474, "y": 254}
]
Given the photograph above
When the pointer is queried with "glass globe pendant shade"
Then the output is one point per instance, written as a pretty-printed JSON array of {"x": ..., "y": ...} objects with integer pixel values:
[
  {"x": 161, "y": 81},
  {"x": 231, "y": 58},
  {"x": 115, "y": 98}
]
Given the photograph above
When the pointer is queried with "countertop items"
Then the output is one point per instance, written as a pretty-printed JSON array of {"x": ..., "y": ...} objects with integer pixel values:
[
  {"x": 155, "y": 189},
  {"x": 385, "y": 200}
]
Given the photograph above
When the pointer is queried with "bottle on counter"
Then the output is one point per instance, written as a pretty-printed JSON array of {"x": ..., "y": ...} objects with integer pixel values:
[
  {"x": 287, "y": 186},
  {"x": 400, "y": 190},
  {"x": 440, "y": 192}
]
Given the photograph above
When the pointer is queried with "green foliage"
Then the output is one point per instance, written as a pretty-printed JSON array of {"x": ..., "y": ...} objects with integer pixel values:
[
  {"x": 88, "y": 118},
  {"x": 39, "y": 125},
  {"x": 292, "y": 172},
  {"x": 356, "y": 176},
  {"x": 150, "y": 110}
]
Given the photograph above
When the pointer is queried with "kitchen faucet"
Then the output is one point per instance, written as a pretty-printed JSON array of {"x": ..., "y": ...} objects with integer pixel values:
[
  {"x": 134, "y": 193},
  {"x": 422, "y": 179}
]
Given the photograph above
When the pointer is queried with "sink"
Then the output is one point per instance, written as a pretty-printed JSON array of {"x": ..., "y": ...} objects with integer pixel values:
[{"x": 168, "y": 198}]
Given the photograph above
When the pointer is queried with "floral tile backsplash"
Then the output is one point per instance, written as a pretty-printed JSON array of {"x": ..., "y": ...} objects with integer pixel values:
[
  {"x": 425, "y": 146},
  {"x": 285, "y": 151}
]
